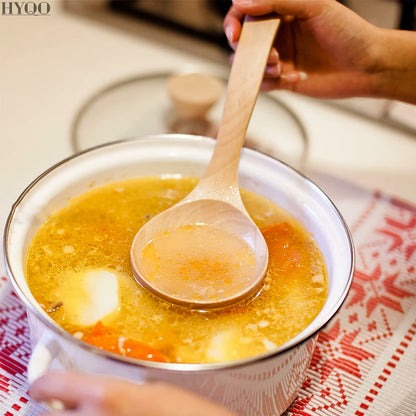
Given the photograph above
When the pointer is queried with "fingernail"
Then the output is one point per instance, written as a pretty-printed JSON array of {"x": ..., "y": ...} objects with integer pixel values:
[
  {"x": 274, "y": 56},
  {"x": 279, "y": 69},
  {"x": 230, "y": 35},
  {"x": 303, "y": 76},
  {"x": 273, "y": 70},
  {"x": 293, "y": 77},
  {"x": 243, "y": 2}
]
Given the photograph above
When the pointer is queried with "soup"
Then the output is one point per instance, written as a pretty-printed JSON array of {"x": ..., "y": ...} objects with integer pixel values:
[
  {"x": 195, "y": 262},
  {"x": 78, "y": 269}
]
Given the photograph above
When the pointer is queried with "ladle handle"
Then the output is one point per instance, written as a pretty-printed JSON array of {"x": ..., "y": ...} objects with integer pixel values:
[{"x": 244, "y": 82}]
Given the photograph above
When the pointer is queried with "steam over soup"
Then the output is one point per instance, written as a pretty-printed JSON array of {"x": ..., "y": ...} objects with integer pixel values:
[{"x": 78, "y": 268}]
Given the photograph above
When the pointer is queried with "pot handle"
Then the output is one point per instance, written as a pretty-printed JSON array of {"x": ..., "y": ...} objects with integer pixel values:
[{"x": 44, "y": 352}]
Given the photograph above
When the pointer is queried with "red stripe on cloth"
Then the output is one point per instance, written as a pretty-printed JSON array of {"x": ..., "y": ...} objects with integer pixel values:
[
  {"x": 10, "y": 365},
  {"x": 5, "y": 389},
  {"x": 403, "y": 204}
]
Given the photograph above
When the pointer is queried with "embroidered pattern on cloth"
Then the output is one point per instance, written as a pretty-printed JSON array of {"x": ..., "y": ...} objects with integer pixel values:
[{"x": 365, "y": 360}]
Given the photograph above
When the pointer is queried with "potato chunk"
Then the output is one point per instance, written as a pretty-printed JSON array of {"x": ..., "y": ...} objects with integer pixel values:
[{"x": 89, "y": 296}]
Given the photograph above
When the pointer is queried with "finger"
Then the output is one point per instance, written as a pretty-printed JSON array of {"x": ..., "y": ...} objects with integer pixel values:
[
  {"x": 70, "y": 388},
  {"x": 302, "y": 9},
  {"x": 66, "y": 413},
  {"x": 271, "y": 84},
  {"x": 288, "y": 19},
  {"x": 273, "y": 70},
  {"x": 232, "y": 25},
  {"x": 293, "y": 77},
  {"x": 273, "y": 58},
  {"x": 288, "y": 80}
]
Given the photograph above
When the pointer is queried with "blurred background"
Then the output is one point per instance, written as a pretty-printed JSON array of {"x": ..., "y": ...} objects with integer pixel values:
[
  {"x": 197, "y": 27},
  {"x": 203, "y": 18}
]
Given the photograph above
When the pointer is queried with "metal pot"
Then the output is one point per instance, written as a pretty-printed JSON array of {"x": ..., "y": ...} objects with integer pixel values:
[{"x": 259, "y": 385}]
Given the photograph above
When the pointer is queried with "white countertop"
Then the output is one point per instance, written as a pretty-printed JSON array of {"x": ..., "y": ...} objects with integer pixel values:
[{"x": 51, "y": 65}]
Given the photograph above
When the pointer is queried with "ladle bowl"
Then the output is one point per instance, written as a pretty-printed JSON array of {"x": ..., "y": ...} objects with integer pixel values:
[{"x": 222, "y": 215}]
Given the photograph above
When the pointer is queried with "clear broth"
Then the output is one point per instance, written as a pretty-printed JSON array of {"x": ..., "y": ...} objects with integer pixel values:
[{"x": 94, "y": 232}]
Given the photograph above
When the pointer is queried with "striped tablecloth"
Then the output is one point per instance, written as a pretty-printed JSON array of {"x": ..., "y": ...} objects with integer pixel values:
[{"x": 365, "y": 359}]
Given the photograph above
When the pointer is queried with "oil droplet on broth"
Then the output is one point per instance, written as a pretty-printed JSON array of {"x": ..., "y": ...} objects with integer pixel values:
[{"x": 198, "y": 262}]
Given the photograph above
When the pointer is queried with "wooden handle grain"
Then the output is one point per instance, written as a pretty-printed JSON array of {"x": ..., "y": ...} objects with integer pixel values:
[{"x": 244, "y": 83}]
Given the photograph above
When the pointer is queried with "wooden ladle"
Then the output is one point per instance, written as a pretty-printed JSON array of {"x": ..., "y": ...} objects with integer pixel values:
[{"x": 212, "y": 220}]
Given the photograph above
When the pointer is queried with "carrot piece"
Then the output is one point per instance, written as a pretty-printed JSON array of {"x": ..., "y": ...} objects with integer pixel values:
[
  {"x": 104, "y": 338},
  {"x": 136, "y": 349},
  {"x": 285, "y": 247}
]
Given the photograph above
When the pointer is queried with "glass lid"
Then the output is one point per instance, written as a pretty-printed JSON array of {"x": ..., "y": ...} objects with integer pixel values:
[{"x": 141, "y": 106}]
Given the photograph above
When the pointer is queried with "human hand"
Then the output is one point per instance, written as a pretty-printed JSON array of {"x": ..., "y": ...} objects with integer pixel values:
[
  {"x": 96, "y": 395},
  {"x": 322, "y": 48}
]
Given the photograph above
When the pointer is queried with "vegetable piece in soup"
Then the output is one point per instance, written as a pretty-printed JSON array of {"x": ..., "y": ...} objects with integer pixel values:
[{"x": 78, "y": 269}]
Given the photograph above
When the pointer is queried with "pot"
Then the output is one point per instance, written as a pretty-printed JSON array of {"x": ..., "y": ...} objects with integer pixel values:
[{"x": 260, "y": 385}]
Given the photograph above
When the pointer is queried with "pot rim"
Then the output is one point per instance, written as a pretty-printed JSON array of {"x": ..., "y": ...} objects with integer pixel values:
[{"x": 172, "y": 367}]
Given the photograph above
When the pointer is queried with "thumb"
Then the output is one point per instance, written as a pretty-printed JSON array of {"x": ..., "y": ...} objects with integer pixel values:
[{"x": 302, "y": 9}]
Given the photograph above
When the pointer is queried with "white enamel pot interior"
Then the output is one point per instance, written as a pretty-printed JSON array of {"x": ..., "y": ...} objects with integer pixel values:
[{"x": 267, "y": 384}]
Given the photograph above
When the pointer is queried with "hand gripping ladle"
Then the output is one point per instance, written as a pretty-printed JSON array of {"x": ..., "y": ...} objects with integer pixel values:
[{"x": 215, "y": 202}]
